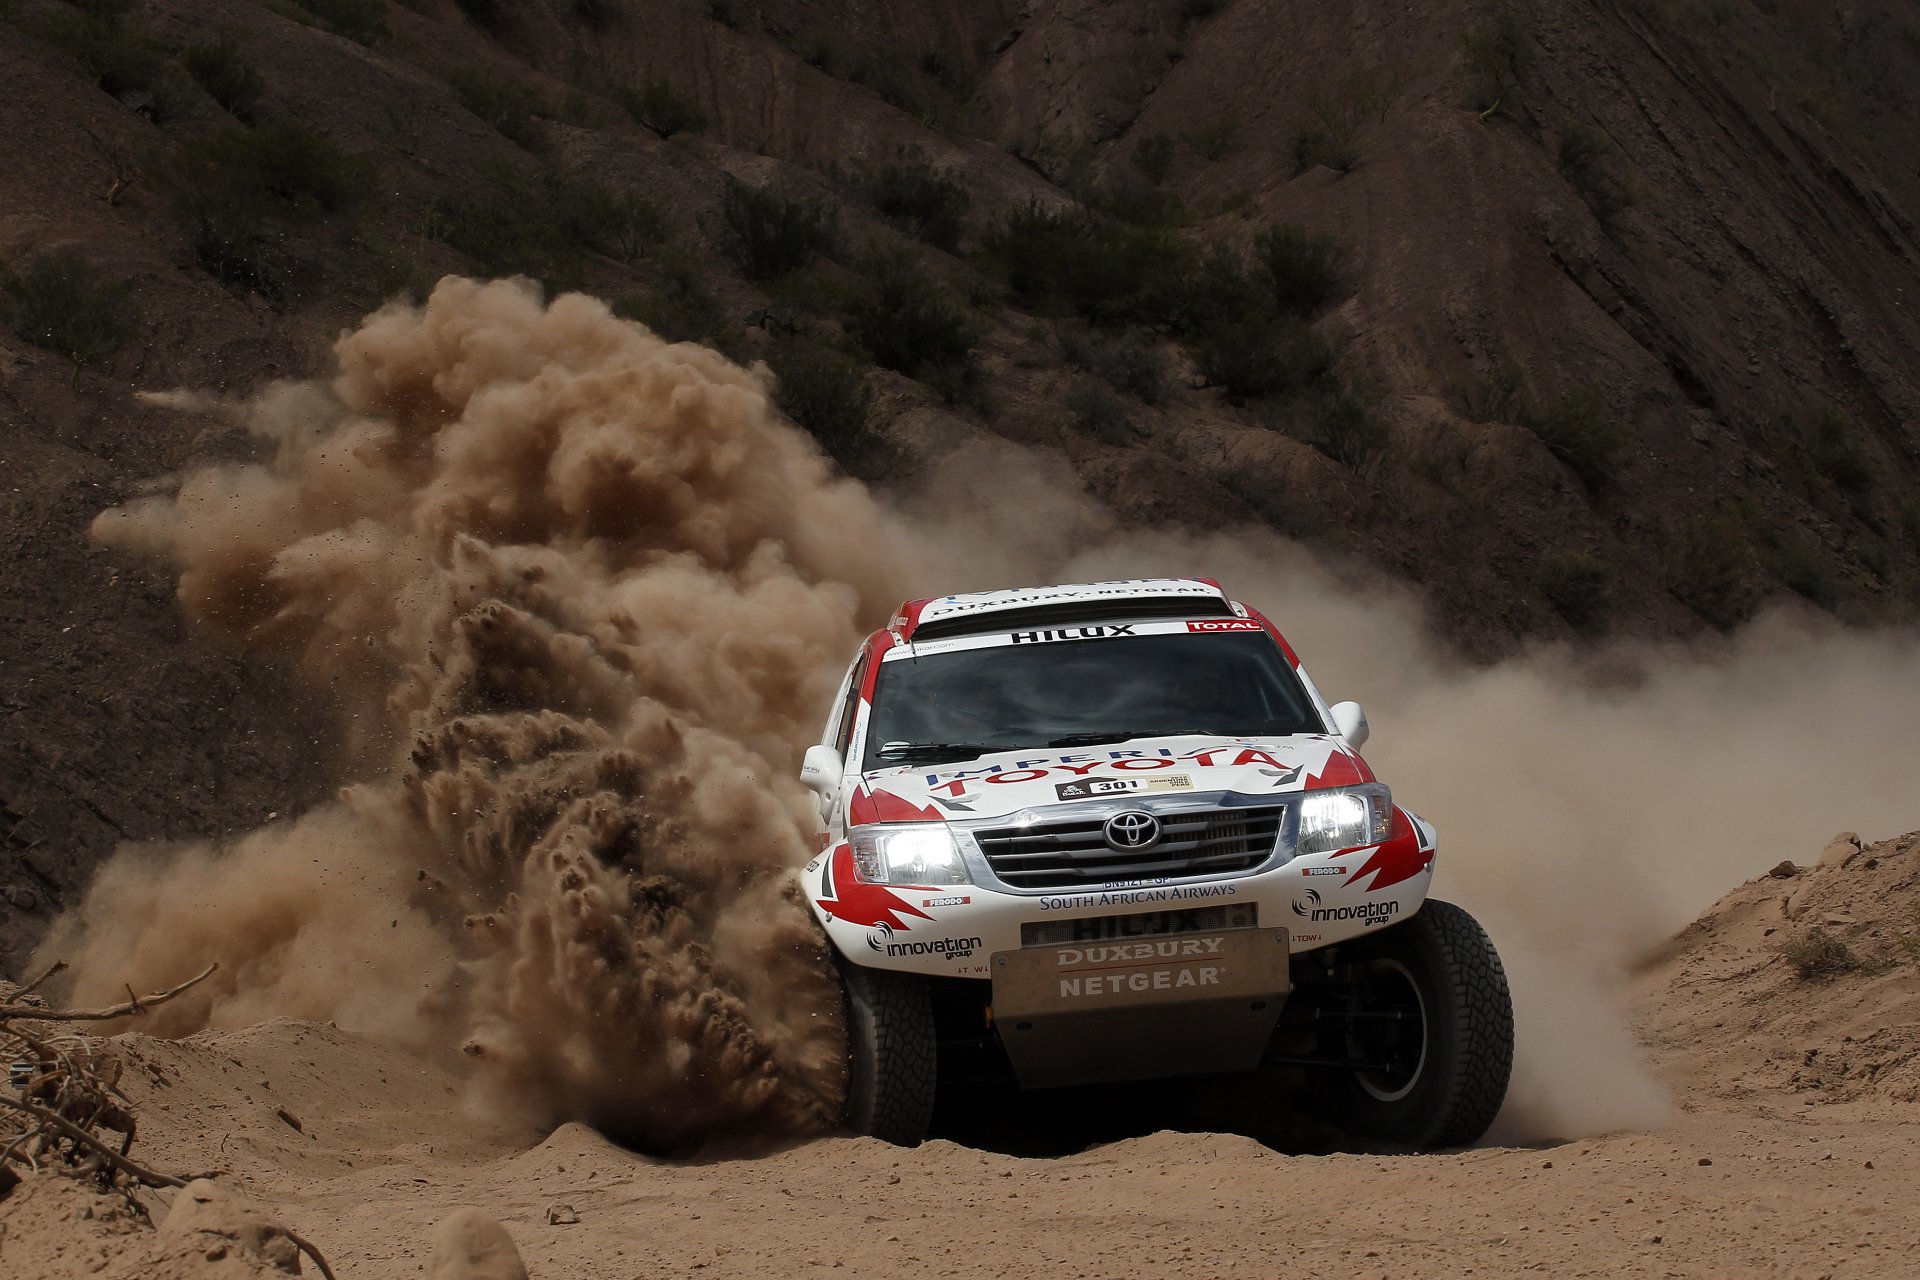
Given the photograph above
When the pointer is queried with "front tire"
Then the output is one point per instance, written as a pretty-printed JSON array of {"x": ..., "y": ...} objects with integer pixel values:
[
  {"x": 892, "y": 1055},
  {"x": 1429, "y": 1003}
]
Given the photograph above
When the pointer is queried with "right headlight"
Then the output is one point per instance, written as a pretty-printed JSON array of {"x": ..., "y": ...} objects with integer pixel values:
[
  {"x": 907, "y": 853},
  {"x": 1345, "y": 817}
]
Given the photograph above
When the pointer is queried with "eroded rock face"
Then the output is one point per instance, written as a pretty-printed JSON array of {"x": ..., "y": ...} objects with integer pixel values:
[
  {"x": 220, "y": 1224},
  {"x": 468, "y": 1245}
]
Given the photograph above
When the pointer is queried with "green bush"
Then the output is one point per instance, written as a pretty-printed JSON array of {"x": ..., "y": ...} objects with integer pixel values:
[
  {"x": 237, "y": 194},
  {"x": 1304, "y": 269},
  {"x": 228, "y": 78},
  {"x": 1153, "y": 157},
  {"x": 361, "y": 21},
  {"x": 932, "y": 88},
  {"x": 1098, "y": 413},
  {"x": 60, "y": 301},
  {"x": 599, "y": 15},
  {"x": 1340, "y": 114},
  {"x": 1499, "y": 54},
  {"x": 1706, "y": 569},
  {"x": 1818, "y": 954},
  {"x": 918, "y": 199},
  {"x": 906, "y": 321},
  {"x": 115, "y": 52},
  {"x": 826, "y": 393},
  {"x": 1583, "y": 157},
  {"x": 656, "y": 106},
  {"x": 1072, "y": 261},
  {"x": 1575, "y": 584},
  {"x": 1131, "y": 363},
  {"x": 1499, "y": 395},
  {"x": 1581, "y": 431},
  {"x": 1345, "y": 429},
  {"x": 1259, "y": 356},
  {"x": 680, "y": 308},
  {"x": 1216, "y": 140},
  {"x": 769, "y": 233},
  {"x": 623, "y": 224},
  {"x": 508, "y": 107},
  {"x": 1832, "y": 445}
]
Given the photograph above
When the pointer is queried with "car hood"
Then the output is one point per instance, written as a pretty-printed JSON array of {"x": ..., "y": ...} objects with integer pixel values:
[{"x": 1010, "y": 781}]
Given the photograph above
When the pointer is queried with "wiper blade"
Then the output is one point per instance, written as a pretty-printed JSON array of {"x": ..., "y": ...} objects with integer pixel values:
[
  {"x": 933, "y": 752},
  {"x": 1125, "y": 735}
]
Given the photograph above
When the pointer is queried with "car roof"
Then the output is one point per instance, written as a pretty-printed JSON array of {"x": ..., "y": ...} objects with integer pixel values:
[{"x": 1061, "y": 603}]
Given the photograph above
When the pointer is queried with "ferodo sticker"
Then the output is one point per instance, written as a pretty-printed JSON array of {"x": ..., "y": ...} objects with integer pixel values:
[{"x": 1085, "y": 788}]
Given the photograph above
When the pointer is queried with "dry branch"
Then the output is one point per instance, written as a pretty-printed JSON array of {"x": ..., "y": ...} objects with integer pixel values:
[
  {"x": 75, "y": 1133},
  {"x": 135, "y": 1005}
]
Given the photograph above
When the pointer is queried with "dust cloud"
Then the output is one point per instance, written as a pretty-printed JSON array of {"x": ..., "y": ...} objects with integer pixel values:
[
  {"x": 581, "y": 594},
  {"x": 586, "y": 598}
]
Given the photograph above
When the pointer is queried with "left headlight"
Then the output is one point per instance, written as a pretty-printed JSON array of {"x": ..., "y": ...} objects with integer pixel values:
[
  {"x": 907, "y": 853},
  {"x": 1345, "y": 818}
]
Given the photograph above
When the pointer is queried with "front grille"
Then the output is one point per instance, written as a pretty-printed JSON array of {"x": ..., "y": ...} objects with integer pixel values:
[{"x": 1052, "y": 855}]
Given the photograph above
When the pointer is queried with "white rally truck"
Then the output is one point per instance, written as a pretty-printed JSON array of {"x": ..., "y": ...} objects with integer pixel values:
[{"x": 1111, "y": 831}]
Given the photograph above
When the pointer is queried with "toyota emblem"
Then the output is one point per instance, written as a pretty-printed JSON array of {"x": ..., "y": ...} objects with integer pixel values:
[{"x": 1132, "y": 830}]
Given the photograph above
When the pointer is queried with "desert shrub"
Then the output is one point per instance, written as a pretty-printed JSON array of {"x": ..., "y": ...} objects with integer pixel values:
[
  {"x": 1499, "y": 395},
  {"x": 361, "y": 21},
  {"x": 906, "y": 321},
  {"x": 621, "y": 224},
  {"x": 1069, "y": 260},
  {"x": 60, "y": 301},
  {"x": 1818, "y": 954},
  {"x": 1304, "y": 269},
  {"x": 1344, "y": 427},
  {"x": 113, "y": 49},
  {"x": 1153, "y": 157},
  {"x": 918, "y": 199},
  {"x": 1259, "y": 356},
  {"x": 1706, "y": 567},
  {"x": 1575, "y": 584},
  {"x": 1583, "y": 155},
  {"x": 1215, "y": 140},
  {"x": 825, "y": 392},
  {"x": 493, "y": 16},
  {"x": 932, "y": 88},
  {"x": 511, "y": 109},
  {"x": 237, "y": 193},
  {"x": 768, "y": 233},
  {"x": 1799, "y": 569},
  {"x": 1098, "y": 412},
  {"x": 1581, "y": 431},
  {"x": 226, "y": 75},
  {"x": 1132, "y": 362},
  {"x": 599, "y": 14},
  {"x": 1832, "y": 445},
  {"x": 1340, "y": 113},
  {"x": 1498, "y": 51},
  {"x": 657, "y": 106},
  {"x": 680, "y": 308}
]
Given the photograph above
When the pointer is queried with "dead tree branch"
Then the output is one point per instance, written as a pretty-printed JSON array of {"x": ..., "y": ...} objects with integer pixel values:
[{"x": 133, "y": 1006}]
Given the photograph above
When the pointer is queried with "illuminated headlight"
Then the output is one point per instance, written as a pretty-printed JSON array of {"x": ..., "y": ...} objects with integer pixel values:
[
  {"x": 1345, "y": 818},
  {"x": 907, "y": 853}
]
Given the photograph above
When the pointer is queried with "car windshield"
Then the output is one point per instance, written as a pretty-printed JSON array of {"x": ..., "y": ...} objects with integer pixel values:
[{"x": 965, "y": 703}]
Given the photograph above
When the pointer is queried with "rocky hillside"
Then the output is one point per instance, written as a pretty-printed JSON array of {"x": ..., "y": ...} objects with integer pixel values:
[{"x": 1587, "y": 318}]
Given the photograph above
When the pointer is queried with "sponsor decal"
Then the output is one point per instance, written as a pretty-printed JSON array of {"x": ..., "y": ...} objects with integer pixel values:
[
  {"x": 1073, "y": 633},
  {"x": 1125, "y": 897},
  {"x": 1088, "y": 788},
  {"x": 1097, "y": 984},
  {"x": 880, "y": 938},
  {"x": 1307, "y": 905},
  {"x": 1214, "y": 755},
  {"x": 1225, "y": 624},
  {"x": 866, "y": 806},
  {"x": 1306, "y": 937},
  {"x": 1137, "y": 952},
  {"x": 1321, "y": 871},
  {"x": 952, "y": 900}
]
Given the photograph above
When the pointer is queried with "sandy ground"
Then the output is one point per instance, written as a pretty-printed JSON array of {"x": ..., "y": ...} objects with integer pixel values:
[{"x": 1792, "y": 1152}]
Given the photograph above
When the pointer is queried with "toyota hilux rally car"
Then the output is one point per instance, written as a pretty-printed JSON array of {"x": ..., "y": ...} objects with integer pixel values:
[{"x": 1112, "y": 831}]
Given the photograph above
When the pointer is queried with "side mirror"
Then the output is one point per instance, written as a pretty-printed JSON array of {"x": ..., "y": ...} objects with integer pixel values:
[
  {"x": 820, "y": 771},
  {"x": 1351, "y": 722}
]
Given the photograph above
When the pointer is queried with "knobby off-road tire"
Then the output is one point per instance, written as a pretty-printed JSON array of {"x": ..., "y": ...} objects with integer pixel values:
[
  {"x": 1440, "y": 967},
  {"x": 892, "y": 1055}
]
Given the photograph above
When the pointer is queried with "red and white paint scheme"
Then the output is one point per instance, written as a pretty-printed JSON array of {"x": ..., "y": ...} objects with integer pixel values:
[{"x": 1256, "y": 796}]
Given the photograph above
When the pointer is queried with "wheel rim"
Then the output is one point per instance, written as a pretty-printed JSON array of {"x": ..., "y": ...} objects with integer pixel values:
[{"x": 1389, "y": 988}]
